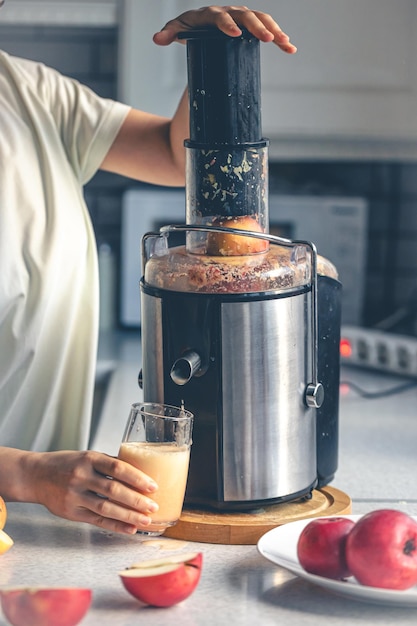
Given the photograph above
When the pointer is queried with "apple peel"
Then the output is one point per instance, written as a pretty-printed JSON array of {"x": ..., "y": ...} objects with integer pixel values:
[{"x": 163, "y": 582}]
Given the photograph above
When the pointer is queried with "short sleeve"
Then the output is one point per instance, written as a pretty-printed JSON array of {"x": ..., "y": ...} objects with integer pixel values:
[{"x": 87, "y": 123}]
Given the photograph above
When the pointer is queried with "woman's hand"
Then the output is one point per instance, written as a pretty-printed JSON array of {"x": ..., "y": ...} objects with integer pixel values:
[
  {"x": 228, "y": 19},
  {"x": 86, "y": 487}
]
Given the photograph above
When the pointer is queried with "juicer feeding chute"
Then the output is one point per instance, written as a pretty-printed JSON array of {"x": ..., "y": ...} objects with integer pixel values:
[
  {"x": 226, "y": 155},
  {"x": 233, "y": 318}
]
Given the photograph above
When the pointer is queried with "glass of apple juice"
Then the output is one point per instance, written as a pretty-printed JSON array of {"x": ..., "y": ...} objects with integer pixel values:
[{"x": 157, "y": 440}]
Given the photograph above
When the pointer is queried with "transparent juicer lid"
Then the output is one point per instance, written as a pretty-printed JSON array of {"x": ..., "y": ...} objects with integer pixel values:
[
  {"x": 287, "y": 265},
  {"x": 227, "y": 248}
]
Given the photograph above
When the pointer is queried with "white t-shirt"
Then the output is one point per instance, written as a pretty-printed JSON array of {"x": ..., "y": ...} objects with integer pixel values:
[{"x": 54, "y": 134}]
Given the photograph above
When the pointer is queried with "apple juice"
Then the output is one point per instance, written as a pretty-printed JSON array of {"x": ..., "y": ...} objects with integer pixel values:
[{"x": 167, "y": 464}]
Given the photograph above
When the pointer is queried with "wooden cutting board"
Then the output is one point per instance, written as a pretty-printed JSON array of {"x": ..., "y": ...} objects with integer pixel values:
[{"x": 247, "y": 528}]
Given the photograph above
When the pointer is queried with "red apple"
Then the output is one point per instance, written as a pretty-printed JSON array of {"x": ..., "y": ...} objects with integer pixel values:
[
  {"x": 163, "y": 582},
  {"x": 25, "y": 606},
  {"x": 225, "y": 244},
  {"x": 381, "y": 550},
  {"x": 321, "y": 546}
]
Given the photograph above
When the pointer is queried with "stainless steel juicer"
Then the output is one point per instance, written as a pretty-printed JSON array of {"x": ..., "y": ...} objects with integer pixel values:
[{"x": 241, "y": 326}]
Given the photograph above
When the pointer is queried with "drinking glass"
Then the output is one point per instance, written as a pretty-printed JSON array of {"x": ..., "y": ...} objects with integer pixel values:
[{"x": 157, "y": 440}]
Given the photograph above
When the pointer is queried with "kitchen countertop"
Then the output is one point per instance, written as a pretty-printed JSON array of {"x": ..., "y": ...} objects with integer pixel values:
[{"x": 377, "y": 469}]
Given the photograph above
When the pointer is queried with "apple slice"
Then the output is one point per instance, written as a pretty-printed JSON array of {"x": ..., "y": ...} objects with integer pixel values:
[
  {"x": 41, "y": 606},
  {"x": 163, "y": 582}
]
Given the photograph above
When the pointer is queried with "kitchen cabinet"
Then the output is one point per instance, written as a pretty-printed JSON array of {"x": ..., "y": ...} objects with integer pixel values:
[{"x": 349, "y": 92}]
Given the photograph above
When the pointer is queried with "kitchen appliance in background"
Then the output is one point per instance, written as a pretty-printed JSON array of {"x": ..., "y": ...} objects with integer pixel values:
[
  {"x": 239, "y": 325},
  {"x": 337, "y": 226}
]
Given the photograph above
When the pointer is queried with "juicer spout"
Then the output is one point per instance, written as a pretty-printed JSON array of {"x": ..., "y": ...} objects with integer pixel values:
[{"x": 185, "y": 367}]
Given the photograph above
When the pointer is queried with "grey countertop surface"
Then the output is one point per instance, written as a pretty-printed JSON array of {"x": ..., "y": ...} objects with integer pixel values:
[{"x": 377, "y": 469}]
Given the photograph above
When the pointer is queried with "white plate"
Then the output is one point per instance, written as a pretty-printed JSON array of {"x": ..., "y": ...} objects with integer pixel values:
[{"x": 279, "y": 545}]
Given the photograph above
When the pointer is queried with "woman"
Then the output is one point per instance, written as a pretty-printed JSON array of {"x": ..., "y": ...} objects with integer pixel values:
[{"x": 55, "y": 135}]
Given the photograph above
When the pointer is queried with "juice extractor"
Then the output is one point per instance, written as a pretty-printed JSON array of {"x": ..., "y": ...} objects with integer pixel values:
[{"x": 238, "y": 325}]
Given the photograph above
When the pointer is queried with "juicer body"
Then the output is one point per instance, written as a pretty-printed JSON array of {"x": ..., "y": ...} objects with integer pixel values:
[{"x": 255, "y": 440}]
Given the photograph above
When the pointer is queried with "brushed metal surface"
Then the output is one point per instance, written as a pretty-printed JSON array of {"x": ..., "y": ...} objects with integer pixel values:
[
  {"x": 269, "y": 435},
  {"x": 255, "y": 438},
  {"x": 152, "y": 348}
]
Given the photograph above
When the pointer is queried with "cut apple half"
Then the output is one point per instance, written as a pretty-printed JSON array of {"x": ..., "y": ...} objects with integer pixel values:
[
  {"x": 163, "y": 582},
  {"x": 37, "y": 606}
]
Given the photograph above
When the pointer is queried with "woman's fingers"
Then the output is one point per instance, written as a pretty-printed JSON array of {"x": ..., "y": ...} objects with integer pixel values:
[
  {"x": 116, "y": 491},
  {"x": 230, "y": 20},
  {"x": 110, "y": 515},
  {"x": 124, "y": 472}
]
